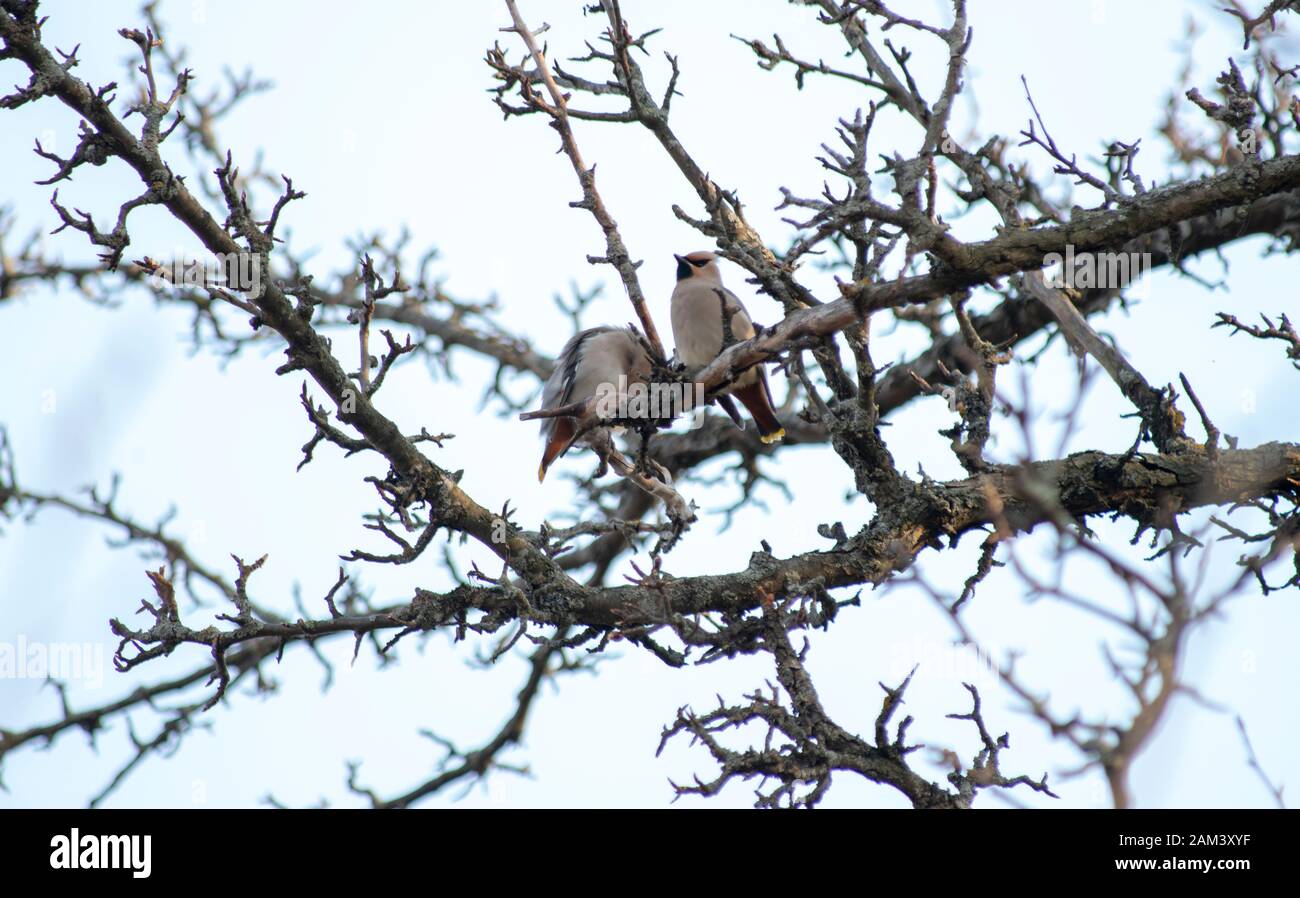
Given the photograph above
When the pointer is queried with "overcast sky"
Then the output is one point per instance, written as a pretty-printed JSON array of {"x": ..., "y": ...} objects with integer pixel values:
[{"x": 380, "y": 113}]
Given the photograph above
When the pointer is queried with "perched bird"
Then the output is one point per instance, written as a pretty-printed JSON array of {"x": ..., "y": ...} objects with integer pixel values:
[
  {"x": 696, "y": 313},
  {"x": 595, "y": 363}
]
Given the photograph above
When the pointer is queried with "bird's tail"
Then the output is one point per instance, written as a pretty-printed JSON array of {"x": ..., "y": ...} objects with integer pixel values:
[
  {"x": 557, "y": 442},
  {"x": 758, "y": 400}
]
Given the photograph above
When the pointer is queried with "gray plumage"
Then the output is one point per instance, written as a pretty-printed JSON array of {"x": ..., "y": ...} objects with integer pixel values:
[
  {"x": 697, "y": 314},
  {"x": 589, "y": 365}
]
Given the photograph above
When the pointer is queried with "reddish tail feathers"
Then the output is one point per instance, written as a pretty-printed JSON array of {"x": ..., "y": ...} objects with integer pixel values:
[
  {"x": 758, "y": 400},
  {"x": 559, "y": 441}
]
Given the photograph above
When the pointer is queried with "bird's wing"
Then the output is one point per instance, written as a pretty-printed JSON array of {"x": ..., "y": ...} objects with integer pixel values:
[{"x": 696, "y": 314}]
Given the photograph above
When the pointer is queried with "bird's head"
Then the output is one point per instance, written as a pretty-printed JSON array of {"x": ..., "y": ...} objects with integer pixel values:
[{"x": 702, "y": 265}]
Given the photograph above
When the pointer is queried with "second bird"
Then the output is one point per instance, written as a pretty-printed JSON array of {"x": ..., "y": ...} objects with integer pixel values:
[{"x": 696, "y": 313}]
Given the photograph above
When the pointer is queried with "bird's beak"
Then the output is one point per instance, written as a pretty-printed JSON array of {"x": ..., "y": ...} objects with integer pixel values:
[{"x": 679, "y": 258}]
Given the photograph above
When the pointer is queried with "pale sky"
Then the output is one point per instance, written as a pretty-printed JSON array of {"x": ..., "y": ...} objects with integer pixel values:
[{"x": 383, "y": 118}]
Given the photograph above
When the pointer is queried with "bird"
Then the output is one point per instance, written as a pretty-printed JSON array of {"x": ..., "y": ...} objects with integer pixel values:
[
  {"x": 696, "y": 312},
  {"x": 596, "y": 363}
]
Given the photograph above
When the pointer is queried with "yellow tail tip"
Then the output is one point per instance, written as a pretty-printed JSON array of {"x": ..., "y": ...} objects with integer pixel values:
[
  {"x": 774, "y": 436},
  {"x": 541, "y": 472}
]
